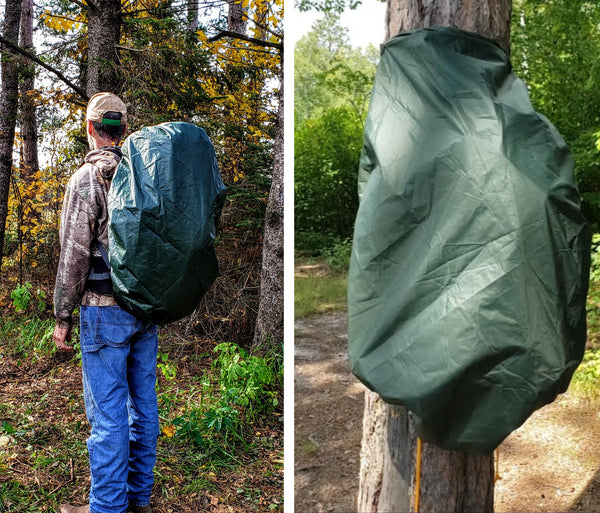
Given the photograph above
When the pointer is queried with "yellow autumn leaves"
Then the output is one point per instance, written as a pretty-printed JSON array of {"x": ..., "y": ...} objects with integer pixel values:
[{"x": 61, "y": 23}]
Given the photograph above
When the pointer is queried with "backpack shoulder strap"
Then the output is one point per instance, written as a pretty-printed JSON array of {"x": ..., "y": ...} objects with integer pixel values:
[
  {"x": 104, "y": 254},
  {"x": 101, "y": 276}
]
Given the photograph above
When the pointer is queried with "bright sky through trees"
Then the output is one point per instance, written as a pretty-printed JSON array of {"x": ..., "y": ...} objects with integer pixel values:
[{"x": 366, "y": 23}]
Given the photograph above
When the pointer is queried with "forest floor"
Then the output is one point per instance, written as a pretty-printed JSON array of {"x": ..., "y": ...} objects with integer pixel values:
[
  {"x": 550, "y": 464},
  {"x": 43, "y": 432}
]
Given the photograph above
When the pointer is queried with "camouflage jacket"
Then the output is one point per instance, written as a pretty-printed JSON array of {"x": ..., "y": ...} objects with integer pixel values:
[{"x": 84, "y": 220}]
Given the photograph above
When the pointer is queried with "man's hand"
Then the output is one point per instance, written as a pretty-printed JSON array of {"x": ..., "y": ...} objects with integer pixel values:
[{"x": 61, "y": 337}]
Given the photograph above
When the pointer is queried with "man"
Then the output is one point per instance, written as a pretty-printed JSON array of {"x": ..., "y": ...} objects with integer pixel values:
[{"x": 118, "y": 351}]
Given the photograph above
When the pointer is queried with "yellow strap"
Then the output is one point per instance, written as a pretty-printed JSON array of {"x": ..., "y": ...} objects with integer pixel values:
[{"x": 418, "y": 476}]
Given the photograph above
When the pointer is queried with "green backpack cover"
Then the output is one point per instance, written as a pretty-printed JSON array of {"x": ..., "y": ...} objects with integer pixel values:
[
  {"x": 164, "y": 202},
  {"x": 470, "y": 261}
]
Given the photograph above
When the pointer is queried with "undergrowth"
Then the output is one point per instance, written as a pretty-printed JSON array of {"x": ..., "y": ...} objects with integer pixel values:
[
  {"x": 219, "y": 408},
  {"x": 31, "y": 337},
  {"x": 223, "y": 405},
  {"x": 586, "y": 380}
]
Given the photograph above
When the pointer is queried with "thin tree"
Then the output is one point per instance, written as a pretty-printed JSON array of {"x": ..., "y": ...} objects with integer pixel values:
[
  {"x": 29, "y": 132},
  {"x": 192, "y": 15},
  {"x": 9, "y": 101},
  {"x": 268, "y": 332},
  {"x": 449, "y": 481},
  {"x": 269, "y": 324}
]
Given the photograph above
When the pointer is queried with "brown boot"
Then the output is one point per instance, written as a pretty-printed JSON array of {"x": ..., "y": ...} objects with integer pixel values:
[
  {"x": 140, "y": 509},
  {"x": 67, "y": 508}
]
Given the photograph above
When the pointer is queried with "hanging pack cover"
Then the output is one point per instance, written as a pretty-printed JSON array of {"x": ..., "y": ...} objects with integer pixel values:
[
  {"x": 470, "y": 262},
  {"x": 165, "y": 198}
]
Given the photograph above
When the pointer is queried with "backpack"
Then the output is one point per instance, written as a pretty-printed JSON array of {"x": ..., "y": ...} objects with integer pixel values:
[
  {"x": 470, "y": 260},
  {"x": 164, "y": 202}
]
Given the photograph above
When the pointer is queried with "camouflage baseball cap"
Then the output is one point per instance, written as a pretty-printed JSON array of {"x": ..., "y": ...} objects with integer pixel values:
[{"x": 101, "y": 103}]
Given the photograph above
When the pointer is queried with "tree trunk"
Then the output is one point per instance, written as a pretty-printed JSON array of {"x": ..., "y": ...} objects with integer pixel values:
[
  {"x": 269, "y": 324},
  {"x": 29, "y": 133},
  {"x": 104, "y": 34},
  {"x": 236, "y": 17},
  {"x": 9, "y": 101},
  {"x": 449, "y": 481},
  {"x": 490, "y": 18},
  {"x": 192, "y": 15}
]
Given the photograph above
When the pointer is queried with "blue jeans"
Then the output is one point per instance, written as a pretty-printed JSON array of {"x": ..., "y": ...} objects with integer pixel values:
[{"x": 118, "y": 353}]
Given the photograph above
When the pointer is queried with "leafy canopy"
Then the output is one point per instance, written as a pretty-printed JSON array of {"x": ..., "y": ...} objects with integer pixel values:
[
  {"x": 332, "y": 87},
  {"x": 554, "y": 49}
]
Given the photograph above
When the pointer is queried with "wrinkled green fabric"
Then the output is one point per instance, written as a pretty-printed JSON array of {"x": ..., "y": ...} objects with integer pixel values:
[
  {"x": 470, "y": 261},
  {"x": 165, "y": 199}
]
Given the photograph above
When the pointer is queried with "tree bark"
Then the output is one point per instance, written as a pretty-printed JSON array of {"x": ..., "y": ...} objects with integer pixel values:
[
  {"x": 269, "y": 324},
  {"x": 192, "y": 15},
  {"x": 449, "y": 481},
  {"x": 9, "y": 101},
  {"x": 236, "y": 17},
  {"x": 490, "y": 18},
  {"x": 104, "y": 34},
  {"x": 29, "y": 133}
]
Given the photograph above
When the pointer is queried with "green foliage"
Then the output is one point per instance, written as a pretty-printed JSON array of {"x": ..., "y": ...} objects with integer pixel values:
[
  {"x": 338, "y": 255},
  {"x": 7, "y": 428},
  {"x": 31, "y": 336},
  {"x": 595, "y": 259},
  {"x": 551, "y": 41},
  {"x": 332, "y": 87},
  {"x": 222, "y": 418},
  {"x": 168, "y": 369},
  {"x": 328, "y": 6},
  {"x": 246, "y": 389},
  {"x": 587, "y": 376},
  {"x": 23, "y": 295},
  {"x": 326, "y": 154},
  {"x": 593, "y": 300},
  {"x": 204, "y": 427},
  {"x": 329, "y": 73},
  {"x": 330, "y": 248},
  {"x": 246, "y": 380},
  {"x": 313, "y": 243}
]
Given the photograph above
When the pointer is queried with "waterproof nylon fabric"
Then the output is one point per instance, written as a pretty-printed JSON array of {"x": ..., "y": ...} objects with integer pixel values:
[
  {"x": 165, "y": 198},
  {"x": 470, "y": 261}
]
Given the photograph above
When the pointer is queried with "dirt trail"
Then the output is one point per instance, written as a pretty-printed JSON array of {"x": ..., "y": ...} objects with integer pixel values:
[{"x": 550, "y": 464}]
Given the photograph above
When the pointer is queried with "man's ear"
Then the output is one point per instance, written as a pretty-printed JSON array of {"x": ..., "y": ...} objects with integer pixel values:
[{"x": 90, "y": 127}]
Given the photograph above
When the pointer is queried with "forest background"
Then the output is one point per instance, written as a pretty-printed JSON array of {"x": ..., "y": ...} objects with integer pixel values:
[
  {"x": 554, "y": 49},
  {"x": 217, "y": 64}
]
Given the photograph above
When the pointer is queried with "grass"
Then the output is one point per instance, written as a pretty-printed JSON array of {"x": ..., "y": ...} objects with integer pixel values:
[
  {"x": 31, "y": 336},
  {"x": 586, "y": 380},
  {"x": 308, "y": 447},
  {"x": 43, "y": 428},
  {"x": 317, "y": 289}
]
